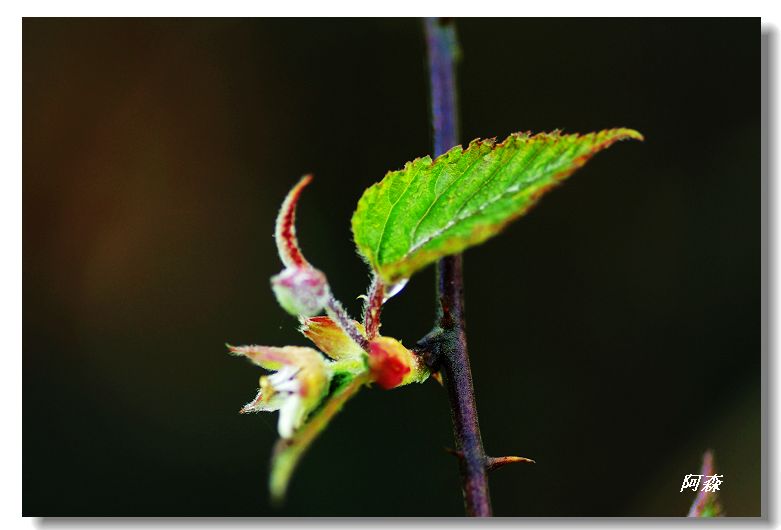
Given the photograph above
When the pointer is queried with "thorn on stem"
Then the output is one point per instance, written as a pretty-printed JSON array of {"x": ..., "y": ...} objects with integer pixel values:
[
  {"x": 454, "y": 452},
  {"x": 492, "y": 462}
]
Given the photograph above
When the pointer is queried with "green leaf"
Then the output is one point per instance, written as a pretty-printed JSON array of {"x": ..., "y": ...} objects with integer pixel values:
[
  {"x": 431, "y": 209},
  {"x": 288, "y": 452}
]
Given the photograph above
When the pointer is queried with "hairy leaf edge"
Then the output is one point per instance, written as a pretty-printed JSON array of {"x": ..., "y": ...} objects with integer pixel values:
[{"x": 399, "y": 270}]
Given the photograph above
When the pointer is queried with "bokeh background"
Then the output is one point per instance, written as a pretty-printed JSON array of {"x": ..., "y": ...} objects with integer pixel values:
[{"x": 614, "y": 331}]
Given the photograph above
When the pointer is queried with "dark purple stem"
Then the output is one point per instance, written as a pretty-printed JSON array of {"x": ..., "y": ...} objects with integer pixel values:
[{"x": 452, "y": 355}]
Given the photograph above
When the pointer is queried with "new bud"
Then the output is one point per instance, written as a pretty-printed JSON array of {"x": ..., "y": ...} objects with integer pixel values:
[
  {"x": 301, "y": 291},
  {"x": 392, "y": 365}
]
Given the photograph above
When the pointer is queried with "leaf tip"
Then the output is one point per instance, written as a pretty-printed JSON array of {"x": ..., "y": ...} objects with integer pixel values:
[{"x": 631, "y": 134}]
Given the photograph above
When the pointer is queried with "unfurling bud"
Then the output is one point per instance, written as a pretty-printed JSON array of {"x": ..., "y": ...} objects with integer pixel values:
[
  {"x": 392, "y": 364},
  {"x": 331, "y": 339},
  {"x": 301, "y": 291},
  {"x": 297, "y": 386}
]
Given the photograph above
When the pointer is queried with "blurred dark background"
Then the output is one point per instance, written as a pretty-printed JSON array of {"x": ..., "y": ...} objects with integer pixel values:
[{"x": 614, "y": 331}]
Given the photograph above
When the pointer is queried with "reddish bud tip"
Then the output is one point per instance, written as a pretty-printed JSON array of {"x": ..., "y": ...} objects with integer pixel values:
[
  {"x": 285, "y": 234},
  {"x": 388, "y": 366}
]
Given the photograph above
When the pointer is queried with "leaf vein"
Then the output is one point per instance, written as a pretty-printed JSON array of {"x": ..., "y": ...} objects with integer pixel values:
[
  {"x": 390, "y": 213},
  {"x": 439, "y": 196}
]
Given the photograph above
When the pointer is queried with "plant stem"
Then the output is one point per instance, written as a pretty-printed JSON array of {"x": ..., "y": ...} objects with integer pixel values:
[
  {"x": 452, "y": 348},
  {"x": 373, "y": 307},
  {"x": 337, "y": 313}
]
